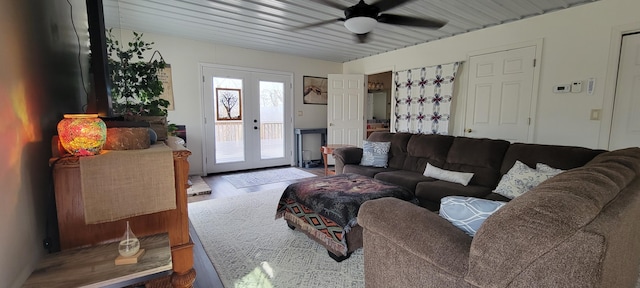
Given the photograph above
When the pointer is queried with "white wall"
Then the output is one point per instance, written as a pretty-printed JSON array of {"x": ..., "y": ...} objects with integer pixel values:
[
  {"x": 576, "y": 47},
  {"x": 184, "y": 55}
]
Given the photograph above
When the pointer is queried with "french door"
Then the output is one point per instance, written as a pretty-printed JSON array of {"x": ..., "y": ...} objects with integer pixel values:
[{"x": 248, "y": 119}]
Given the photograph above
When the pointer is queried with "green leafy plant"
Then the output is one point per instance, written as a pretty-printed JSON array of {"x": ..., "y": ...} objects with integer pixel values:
[
  {"x": 172, "y": 128},
  {"x": 135, "y": 87}
]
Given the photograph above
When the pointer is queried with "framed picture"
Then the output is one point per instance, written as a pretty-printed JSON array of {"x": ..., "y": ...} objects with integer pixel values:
[
  {"x": 164, "y": 75},
  {"x": 229, "y": 103},
  {"x": 314, "y": 90}
]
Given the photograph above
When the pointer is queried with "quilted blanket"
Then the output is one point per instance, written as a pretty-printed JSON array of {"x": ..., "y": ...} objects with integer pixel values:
[{"x": 336, "y": 199}]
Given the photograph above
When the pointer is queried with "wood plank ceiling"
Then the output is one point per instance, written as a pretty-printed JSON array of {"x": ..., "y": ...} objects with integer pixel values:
[{"x": 266, "y": 24}]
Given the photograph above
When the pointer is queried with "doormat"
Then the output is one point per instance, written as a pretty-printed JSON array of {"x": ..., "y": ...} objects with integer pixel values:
[
  {"x": 242, "y": 180},
  {"x": 198, "y": 186}
]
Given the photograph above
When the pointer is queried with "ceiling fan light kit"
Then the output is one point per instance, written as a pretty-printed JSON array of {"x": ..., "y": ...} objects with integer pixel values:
[
  {"x": 361, "y": 18},
  {"x": 360, "y": 25}
]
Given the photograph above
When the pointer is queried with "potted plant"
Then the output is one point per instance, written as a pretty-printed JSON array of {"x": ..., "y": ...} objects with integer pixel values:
[{"x": 135, "y": 86}]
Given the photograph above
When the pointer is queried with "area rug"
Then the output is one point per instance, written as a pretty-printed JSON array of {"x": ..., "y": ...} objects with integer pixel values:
[
  {"x": 198, "y": 186},
  {"x": 266, "y": 177},
  {"x": 248, "y": 248}
]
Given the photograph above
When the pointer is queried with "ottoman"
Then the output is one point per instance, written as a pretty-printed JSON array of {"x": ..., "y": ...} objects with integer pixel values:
[{"x": 326, "y": 209}]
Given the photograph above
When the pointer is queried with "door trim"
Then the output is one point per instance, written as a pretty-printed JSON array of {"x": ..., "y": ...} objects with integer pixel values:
[
  {"x": 537, "y": 43},
  {"x": 611, "y": 80},
  {"x": 203, "y": 142}
]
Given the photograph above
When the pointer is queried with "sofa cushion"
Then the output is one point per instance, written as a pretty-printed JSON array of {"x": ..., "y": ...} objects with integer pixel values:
[
  {"x": 522, "y": 178},
  {"x": 398, "y": 150},
  {"x": 348, "y": 155},
  {"x": 428, "y": 237},
  {"x": 482, "y": 157},
  {"x": 407, "y": 179},
  {"x": 446, "y": 175},
  {"x": 368, "y": 171},
  {"x": 561, "y": 157},
  {"x": 375, "y": 153},
  {"x": 423, "y": 149},
  {"x": 468, "y": 213},
  {"x": 496, "y": 197},
  {"x": 429, "y": 193}
]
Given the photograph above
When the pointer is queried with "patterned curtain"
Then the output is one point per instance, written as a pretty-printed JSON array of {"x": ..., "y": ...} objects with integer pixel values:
[{"x": 423, "y": 99}]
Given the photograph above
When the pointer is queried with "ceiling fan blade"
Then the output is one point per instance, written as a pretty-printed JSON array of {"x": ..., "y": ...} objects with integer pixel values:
[
  {"x": 316, "y": 24},
  {"x": 362, "y": 38},
  {"x": 385, "y": 5},
  {"x": 331, "y": 4},
  {"x": 410, "y": 21}
]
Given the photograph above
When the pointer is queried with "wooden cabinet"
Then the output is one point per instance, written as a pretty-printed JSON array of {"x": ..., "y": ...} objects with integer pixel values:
[{"x": 75, "y": 233}]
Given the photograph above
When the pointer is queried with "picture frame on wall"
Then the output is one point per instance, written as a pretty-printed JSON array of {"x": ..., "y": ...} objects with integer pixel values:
[
  {"x": 229, "y": 104},
  {"x": 164, "y": 75},
  {"x": 314, "y": 90}
]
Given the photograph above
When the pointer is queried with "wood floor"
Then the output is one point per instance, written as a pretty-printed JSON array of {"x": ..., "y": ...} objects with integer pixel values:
[{"x": 206, "y": 276}]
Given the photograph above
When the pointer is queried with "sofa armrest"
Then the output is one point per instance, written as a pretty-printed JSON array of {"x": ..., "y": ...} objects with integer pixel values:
[
  {"x": 417, "y": 231},
  {"x": 346, "y": 155}
]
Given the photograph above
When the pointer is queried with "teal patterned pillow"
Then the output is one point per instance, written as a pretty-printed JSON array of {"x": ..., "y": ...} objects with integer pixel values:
[
  {"x": 375, "y": 154},
  {"x": 468, "y": 213}
]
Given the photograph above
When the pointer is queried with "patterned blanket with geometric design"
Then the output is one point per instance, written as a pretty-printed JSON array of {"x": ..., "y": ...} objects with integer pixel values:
[{"x": 331, "y": 204}]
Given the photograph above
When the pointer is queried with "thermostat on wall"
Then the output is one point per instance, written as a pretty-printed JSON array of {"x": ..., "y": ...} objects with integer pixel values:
[
  {"x": 576, "y": 87},
  {"x": 562, "y": 88}
]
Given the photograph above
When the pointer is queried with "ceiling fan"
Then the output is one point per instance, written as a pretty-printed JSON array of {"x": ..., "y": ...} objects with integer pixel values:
[{"x": 361, "y": 18}]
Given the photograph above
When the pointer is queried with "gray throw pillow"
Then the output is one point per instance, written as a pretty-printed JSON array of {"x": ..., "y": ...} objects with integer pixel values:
[
  {"x": 522, "y": 178},
  {"x": 375, "y": 154}
]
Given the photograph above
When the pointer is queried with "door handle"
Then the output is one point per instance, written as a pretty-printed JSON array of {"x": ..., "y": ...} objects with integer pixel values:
[
  {"x": 255, "y": 120},
  {"x": 255, "y": 127},
  {"x": 330, "y": 124},
  {"x": 468, "y": 130}
]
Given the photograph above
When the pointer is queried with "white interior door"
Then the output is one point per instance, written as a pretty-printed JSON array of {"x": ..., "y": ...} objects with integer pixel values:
[
  {"x": 625, "y": 125},
  {"x": 499, "y": 95},
  {"x": 345, "y": 109},
  {"x": 248, "y": 122}
]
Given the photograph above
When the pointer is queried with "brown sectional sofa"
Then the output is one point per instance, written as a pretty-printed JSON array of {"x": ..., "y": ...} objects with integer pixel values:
[
  {"x": 577, "y": 229},
  {"x": 488, "y": 159}
]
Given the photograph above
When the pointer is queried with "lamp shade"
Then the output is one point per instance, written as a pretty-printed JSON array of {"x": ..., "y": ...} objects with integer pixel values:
[
  {"x": 360, "y": 24},
  {"x": 82, "y": 134}
]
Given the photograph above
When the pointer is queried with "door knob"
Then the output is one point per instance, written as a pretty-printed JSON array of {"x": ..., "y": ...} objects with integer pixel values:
[
  {"x": 468, "y": 130},
  {"x": 255, "y": 120},
  {"x": 255, "y": 127}
]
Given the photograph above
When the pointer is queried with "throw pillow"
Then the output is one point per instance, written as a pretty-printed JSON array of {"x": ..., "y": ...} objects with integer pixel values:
[
  {"x": 446, "y": 175},
  {"x": 522, "y": 178},
  {"x": 375, "y": 154},
  {"x": 546, "y": 168},
  {"x": 468, "y": 213}
]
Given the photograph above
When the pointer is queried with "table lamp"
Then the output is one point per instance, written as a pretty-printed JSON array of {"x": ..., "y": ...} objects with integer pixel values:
[{"x": 82, "y": 134}]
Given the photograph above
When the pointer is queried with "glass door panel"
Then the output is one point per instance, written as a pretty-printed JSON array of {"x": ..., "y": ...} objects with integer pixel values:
[
  {"x": 229, "y": 128},
  {"x": 271, "y": 119}
]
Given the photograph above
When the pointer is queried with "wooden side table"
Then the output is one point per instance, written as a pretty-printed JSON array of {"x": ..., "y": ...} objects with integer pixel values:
[
  {"x": 94, "y": 266},
  {"x": 326, "y": 150}
]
